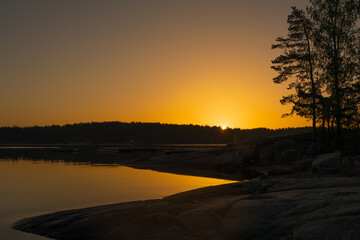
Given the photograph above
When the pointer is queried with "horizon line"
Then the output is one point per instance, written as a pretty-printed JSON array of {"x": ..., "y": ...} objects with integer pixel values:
[{"x": 139, "y": 122}]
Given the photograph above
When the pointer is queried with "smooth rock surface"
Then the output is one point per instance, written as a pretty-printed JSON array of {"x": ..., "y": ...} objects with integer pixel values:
[
  {"x": 315, "y": 208},
  {"x": 328, "y": 161}
]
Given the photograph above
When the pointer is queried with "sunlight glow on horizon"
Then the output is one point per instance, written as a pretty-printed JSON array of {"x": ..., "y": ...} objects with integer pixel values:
[{"x": 200, "y": 62}]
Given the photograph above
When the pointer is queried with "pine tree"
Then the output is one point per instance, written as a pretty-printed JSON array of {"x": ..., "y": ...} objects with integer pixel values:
[
  {"x": 335, "y": 39},
  {"x": 298, "y": 63}
]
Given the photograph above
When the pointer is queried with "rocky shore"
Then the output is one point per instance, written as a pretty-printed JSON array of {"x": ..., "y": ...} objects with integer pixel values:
[
  {"x": 265, "y": 157},
  {"x": 325, "y": 208},
  {"x": 297, "y": 191}
]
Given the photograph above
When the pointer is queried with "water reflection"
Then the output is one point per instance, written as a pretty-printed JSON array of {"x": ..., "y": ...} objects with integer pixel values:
[
  {"x": 86, "y": 155},
  {"x": 37, "y": 181}
]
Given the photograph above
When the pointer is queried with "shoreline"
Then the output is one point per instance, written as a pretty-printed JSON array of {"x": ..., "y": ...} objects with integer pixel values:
[
  {"x": 196, "y": 172},
  {"x": 216, "y": 163},
  {"x": 256, "y": 209},
  {"x": 290, "y": 196}
]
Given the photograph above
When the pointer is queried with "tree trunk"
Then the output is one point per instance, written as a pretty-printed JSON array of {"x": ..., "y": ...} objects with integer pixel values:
[
  {"x": 336, "y": 72},
  {"x": 338, "y": 110},
  {"x": 313, "y": 87}
]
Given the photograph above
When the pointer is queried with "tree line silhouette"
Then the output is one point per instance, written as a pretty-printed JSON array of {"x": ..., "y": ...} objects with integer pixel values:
[
  {"x": 321, "y": 61},
  {"x": 134, "y": 133}
]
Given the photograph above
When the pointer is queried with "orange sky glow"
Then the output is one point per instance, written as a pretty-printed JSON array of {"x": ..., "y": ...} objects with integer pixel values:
[{"x": 201, "y": 62}]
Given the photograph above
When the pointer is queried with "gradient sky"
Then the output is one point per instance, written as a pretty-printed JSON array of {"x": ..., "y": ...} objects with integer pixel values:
[{"x": 170, "y": 61}]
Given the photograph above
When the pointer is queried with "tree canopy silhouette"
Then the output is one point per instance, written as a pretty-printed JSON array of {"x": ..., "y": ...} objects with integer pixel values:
[
  {"x": 321, "y": 57},
  {"x": 298, "y": 63}
]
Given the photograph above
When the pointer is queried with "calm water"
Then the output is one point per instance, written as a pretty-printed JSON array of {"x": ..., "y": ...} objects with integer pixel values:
[{"x": 31, "y": 186}]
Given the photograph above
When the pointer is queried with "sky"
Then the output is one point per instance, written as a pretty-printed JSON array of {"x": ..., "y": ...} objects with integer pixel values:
[{"x": 201, "y": 62}]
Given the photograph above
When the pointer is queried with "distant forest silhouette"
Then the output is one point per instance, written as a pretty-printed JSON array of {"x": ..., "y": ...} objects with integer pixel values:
[{"x": 135, "y": 133}]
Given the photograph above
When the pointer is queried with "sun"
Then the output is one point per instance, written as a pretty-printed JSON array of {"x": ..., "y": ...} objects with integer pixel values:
[{"x": 224, "y": 127}]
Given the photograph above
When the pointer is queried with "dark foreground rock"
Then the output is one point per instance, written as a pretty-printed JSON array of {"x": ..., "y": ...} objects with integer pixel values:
[{"x": 314, "y": 208}]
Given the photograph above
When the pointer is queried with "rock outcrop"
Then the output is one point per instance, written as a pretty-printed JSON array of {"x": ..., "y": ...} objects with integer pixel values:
[
  {"x": 326, "y": 208},
  {"x": 327, "y": 163},
  {"x": 218, "y": 163}
]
